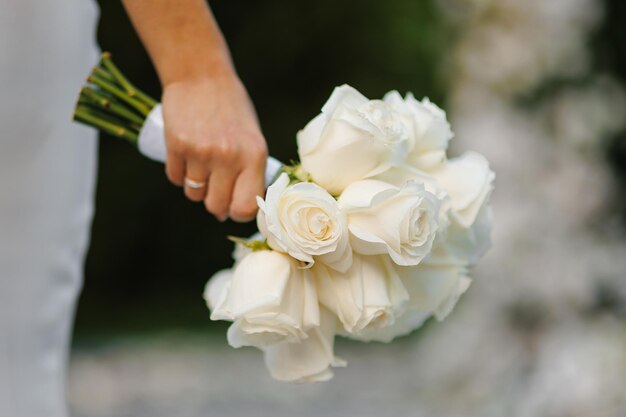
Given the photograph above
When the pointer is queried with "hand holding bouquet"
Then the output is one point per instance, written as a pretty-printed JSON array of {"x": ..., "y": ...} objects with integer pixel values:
[{"x": 369, "y": 235}]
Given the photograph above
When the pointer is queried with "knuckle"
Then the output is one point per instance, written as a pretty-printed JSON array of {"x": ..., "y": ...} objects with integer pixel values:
[
  {"x": 221, "y": 151},
  {"x": 243, "y": 211},
  {"x": 207, "y": 149},
  {"x": 214, "y": 208},
  {"x": 192, "y": 195},
  {"x": 203, "y": 150},
  {"x": 225, "y": 151},
  {"x": 258, "y": 154},
  {"x": 176, "y": 141}
]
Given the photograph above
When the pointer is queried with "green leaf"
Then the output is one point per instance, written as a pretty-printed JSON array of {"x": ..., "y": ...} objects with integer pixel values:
[{"x": 254, "y": 245}]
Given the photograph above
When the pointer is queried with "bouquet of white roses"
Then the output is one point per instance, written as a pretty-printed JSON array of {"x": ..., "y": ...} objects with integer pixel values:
[{"x": 368, "y": 236}]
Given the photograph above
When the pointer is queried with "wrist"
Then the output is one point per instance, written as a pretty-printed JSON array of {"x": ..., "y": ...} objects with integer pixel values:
[{"x": 218, "y": 68}]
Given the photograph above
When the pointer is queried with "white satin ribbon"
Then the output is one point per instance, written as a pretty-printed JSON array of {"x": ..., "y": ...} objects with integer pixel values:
[{"x": 152, "y": 143}]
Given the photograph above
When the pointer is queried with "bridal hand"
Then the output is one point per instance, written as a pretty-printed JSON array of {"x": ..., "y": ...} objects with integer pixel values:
[{"x": 214, "y": 139}]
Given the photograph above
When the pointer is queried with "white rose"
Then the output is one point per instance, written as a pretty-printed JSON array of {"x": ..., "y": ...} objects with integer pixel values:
[
  {"x": 469, "y": 184},
  {"x": 307, "y": 361},
  {"x": 216, "y": 288},
  {"x": 270, "y": 298},
  {"x": 353, "y": 138},
  {"x": 405, "y": 324},
  {"x": 434, "y": 287},
  {"x": 369, "y": 295},
  {"x": 403, "y": 174},
  {"x": 385, "y": 219},
  {"x": 306, "y": 222},
  {"x": 430, "y": 130},
  {"x": 471, "y": 243}
]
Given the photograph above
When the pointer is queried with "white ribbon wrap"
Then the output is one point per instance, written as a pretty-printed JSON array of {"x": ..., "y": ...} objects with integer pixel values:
[{"x": 152, "y": 143}]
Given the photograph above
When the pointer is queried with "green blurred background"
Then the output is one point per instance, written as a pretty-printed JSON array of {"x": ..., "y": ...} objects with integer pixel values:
[{"x": 152, "y": 250}]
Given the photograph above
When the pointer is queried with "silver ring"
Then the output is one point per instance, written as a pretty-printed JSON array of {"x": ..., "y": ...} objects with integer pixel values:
[{"x": 194, "y": 185}]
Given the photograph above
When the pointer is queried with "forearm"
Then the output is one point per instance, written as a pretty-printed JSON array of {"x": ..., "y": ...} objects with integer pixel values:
[{"x": 182, "y": 38}]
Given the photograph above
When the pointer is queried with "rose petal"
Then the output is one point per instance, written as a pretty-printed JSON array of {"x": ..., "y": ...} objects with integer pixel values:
[
  {"x": 309, "y": 360},
  {"x": 215, "y": 290}
]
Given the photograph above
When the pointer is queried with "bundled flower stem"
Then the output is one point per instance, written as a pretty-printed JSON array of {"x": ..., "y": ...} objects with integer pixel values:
[{"x": 111, "y": 103}]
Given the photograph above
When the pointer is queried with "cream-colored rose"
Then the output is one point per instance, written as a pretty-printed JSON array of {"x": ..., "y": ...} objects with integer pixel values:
[
  {"x": 468, "y": 180},
  {"x": 430, "y": 130},
  {"x": 385, "y": 219},
  {"x": 216, "y": 288},
  {"x": 469, "y": 183},
  {"x": 307, "y": 361},
  {"x": 306, "y": 222},
  {"x": 353, "y": 138},
  {"x": 408, "y": 322},
  {"x": 434, "y": 287},
  {"x": 403, "y": 174},
  {"x": 471, "y": 243},
  {"x": 270, "y": 297},
  {"x": 369, "y": 295}
]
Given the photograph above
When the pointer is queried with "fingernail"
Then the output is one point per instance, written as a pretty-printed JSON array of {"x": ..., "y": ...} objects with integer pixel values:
[{"x": 223, "y": 218}]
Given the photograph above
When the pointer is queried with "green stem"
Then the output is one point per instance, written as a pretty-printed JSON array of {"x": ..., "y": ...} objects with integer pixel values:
[
  {"x": 149, "y": 101},
  {"x": 105, "y": 85},
  {"x": 107, "y": 114},
  {"x": 85, "y": 115},
  {"x": 104, "y": 115},
  {"x": 107, "y": 104},
  {"x": 123, "y": 81},
  {"x": 103, "y": 74}
]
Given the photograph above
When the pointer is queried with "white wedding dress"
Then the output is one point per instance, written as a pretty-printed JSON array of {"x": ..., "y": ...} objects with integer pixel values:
[{"x": 47, "y": 173}]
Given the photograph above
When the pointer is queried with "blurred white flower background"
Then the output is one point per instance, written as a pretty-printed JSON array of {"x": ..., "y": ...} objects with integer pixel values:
[{"x": 542, "y": 330}]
